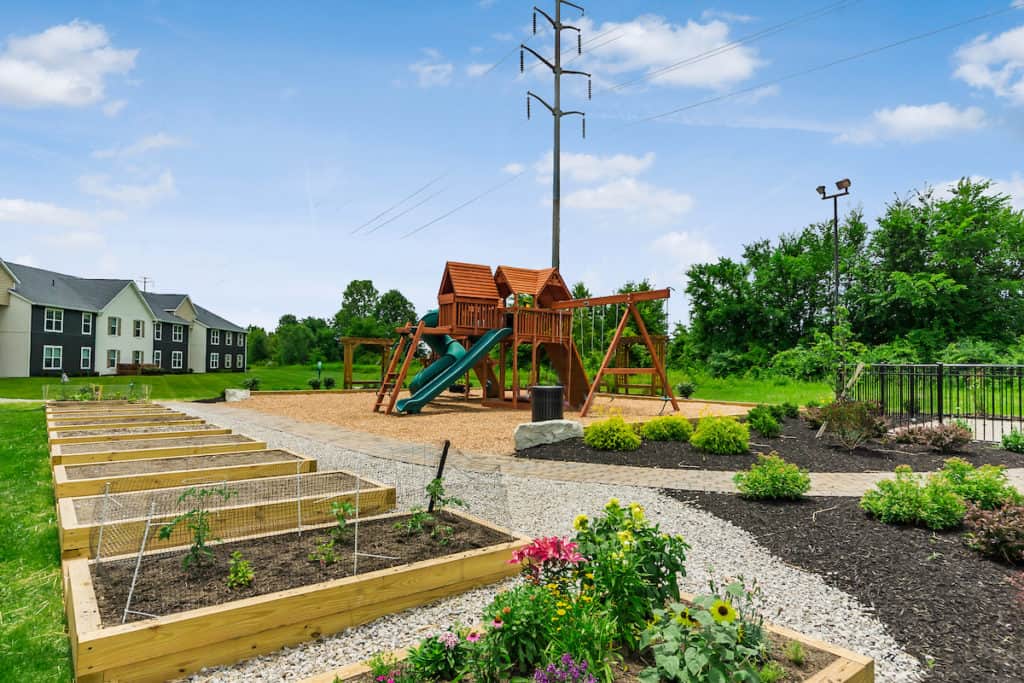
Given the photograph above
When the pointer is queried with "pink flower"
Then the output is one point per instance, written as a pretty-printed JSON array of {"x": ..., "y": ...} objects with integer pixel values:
[
  {"x": 449, "y": 640},
  {"x": 497, "y": 623},
  {"x": 473, "y": 636}
]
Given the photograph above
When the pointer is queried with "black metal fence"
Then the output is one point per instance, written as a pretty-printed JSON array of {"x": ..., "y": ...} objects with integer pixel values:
[{"x": 988, "y": 398}]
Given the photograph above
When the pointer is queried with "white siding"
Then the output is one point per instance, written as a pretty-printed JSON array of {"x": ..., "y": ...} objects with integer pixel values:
[
  {"x": 197, "y": 347},
  {"x": 129, "y": 306},
  {"x": 15, "y": 337}
]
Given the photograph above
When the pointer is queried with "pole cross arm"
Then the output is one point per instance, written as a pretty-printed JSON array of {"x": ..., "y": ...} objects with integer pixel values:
[
  {"x": 572, "y": 4},
  {"x": 537, "y": 55},
  {"x": 570, "y": 27},
  {"x": 577, "y": 73},
  {"x": 547, "y": 16},
  {"x": 541, "y": 100}
]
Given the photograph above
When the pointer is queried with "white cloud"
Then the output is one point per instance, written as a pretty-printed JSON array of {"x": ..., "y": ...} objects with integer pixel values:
[
  {"x": 503, "y": 37},
  {"x": 994, "y": 63},
  {"x": 513, "y": 168},
  {"x": 476, "y": 70},
  {"x": 724, "y": 15},
  {"x": 141, "y": 146},
  {"x": 1012, "y": 187},
  {"x": 27, "y": 212},
  {"x": 113, "y": 107},
  {"x": 638, "y": 199},
  {"x": 649, "y": 43},
  {"x": 75, "y": 239},
  {"x": 909, "y": 123},
  {"x": 101, "y": 186},
  {"x": 432, "y": 71},
  {"x": 589, "y": 168},
  {"x": 65, "y": 65}
]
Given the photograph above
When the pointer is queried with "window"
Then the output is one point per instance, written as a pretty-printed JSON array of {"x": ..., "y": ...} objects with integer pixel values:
[
  {"x": 228, "y": 339},
  {"x": 176, "y": 358},
  {"x": 53, "y": 320},
  {"x": 158, "y": 357},
  {"x": 86, "y": 362},
  {"x": 86, "y": 323},
  {"x": 137, "y": 358},
  {"x": 215, "y": 336},
  {"x": 113, "y": 357},
  {"x": 214, "y": 361},
  {"x": 139, "y": 328},
  {"x": 158, "y": 331},
  {"x": 114, "y": 328},
  {"x": 227, "y": 361},
  {"x": 53, "y": 357},
  {"x": 240, "y": 362},
  {"x": 241, "y": 339},
  {"x": 177, "y": 333}
]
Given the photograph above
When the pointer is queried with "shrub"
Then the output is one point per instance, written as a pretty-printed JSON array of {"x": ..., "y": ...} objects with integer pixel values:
[
  {"x": 438, "y": 658},
  {"x": 985, "y": 486},
  {"x": 329, "y": 382},
  {"x": 612, "y": 434},
  {"x": 1014, "y": 441},
  {"x": 721, "y": 435},
  {"x": 790, "y": 410},
  {"x": 518, "y": 625},
  {"x": 764, "y": 422},
  {"x": 667, "y": 428},
  {"x": 773, "y": 478},
  {"x": 251, "y": 383},
  {"x": 685, "y": 389},
  {"x": 314, "y": 383},
  {"x": 997, "y": 533},
  {"x": 944, "y": 438},
  {"x": 852, "y": 423},
  {"x": 905, "y": 500},
  {"x": 814, "y": 417}
]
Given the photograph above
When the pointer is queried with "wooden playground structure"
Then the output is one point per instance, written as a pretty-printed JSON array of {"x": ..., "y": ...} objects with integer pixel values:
[
  {"x": 506, "y": 310},
  {"x": 349, "y": 346}
]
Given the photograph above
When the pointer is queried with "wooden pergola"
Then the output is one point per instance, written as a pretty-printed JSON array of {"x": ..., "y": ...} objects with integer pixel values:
[{"x": 350, "y": 344}]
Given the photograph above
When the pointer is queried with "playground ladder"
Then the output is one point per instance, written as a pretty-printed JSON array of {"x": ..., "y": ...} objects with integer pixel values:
[{"x": 391, "y": 386}]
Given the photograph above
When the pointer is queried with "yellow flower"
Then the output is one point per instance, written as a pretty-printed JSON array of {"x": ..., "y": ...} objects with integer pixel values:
[
  {"x": 723, "y": 612},
  {"x": 586, "y": 598},
  {"x": 589, "y": 575},
  {"x": 625, "y": 538},
  {"x": 612, "y": 503},
  {"x": 560, "y": 612},
  {"x": 636, "y": 510},
  {"x": 580, "y": 523}
]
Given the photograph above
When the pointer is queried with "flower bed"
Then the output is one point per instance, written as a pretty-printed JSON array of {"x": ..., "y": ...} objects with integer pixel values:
[
  {"x": 193, "y": 428},
  {"x": 177, "y": 644},
  {"x": 56, "y": 430},
  {"x": 157, "y": 473},
  {"x": 161, "y": 446},
  {"x": 96, "y": 417}
]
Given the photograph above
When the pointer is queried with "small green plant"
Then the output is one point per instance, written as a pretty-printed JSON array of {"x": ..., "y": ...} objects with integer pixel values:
[
  {"x": 435, "y": 489},
  {"x": 906, "y": 500},
  {"x": 944, "y": 438},
  {"x": 612, "y": 434},
  {"x": 795, "y": 652},
  {"x": 240, "y": 573},
  {"x": 341, "y": 510},
  {"x": 324, "y": 553},
  {"x": 667, "y": 428},
  {"x": 790, "y": 410},
  {"x": 438, "y": 658},
  {"x": 416, "y": 522},
  {"x": 329, "y": 382},
  {"x": 773, "y": 478},
  {"x": 721, "y": 435},
  {"x": 197, "y": 519},
  {"x": 764, "y": 422},
  {"x": 851, "y": 423},
  {"x": 251, "y": 383},
  {"x": 685, "y": 389},
  {"x": 442, "y": 533},
  {"x": 1014, "y": 441},
  {"x": 384, "y": 666},
  {"x": 771, "y": 672},
  {"x": 986, "y": 486},
  {"x": 314, "y": 383}
]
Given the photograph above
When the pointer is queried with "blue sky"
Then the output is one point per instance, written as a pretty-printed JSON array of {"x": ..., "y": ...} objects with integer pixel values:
[{"x": 234, "y": 153}]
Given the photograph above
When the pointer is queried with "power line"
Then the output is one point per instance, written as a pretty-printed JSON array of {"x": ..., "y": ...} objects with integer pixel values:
[
  {"x": 402, "y": 213},
  {"x": 828, "y": 65},
  {"x": 739, "y": 42},
  {"x": 464, "y": 204},
  {"x": 399, "y": 203}
]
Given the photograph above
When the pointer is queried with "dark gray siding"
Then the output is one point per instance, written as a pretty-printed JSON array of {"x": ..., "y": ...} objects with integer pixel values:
[
  {"x": 222, "y": 348},
  {"x": 166, "y": 345},
  {"x": 71, "y": 340}
]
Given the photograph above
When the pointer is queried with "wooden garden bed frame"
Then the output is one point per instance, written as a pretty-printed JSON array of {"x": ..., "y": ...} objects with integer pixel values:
[
  {"x": 126, "y": 535},
  {"x": 59, "y": 457},
  {"x": 57, "y": 438},
  {"x": 176, "y": 645},
  {"x": 100, "y": 417},
  {"x": 175, "y": 421},
  {"x": 291, "y": 463}
]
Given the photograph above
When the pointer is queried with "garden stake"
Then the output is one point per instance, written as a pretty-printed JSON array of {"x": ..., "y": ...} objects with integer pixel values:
[
  {"x": 440, "y": 470},
  {"x": 138, "y": 561},
  {"x": 355, "y": 546}
]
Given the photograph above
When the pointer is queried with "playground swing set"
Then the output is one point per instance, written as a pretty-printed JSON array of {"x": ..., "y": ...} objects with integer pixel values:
[{"x": 480, "y": 310}]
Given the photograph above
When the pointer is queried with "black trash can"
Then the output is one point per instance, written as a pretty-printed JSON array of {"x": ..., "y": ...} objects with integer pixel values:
[{"x": 546, "y": 403}]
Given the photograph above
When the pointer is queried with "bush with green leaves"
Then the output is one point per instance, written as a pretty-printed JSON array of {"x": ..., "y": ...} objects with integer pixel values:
[
  {"x": 439, "y": 658},
  {"x": 997, "y": 533},
  {"x": 667, "y": 428},
  {"x": 773, "y": 478},
  {"x": 329, "y": 382},
  {"x": 314, "y": 383},
  {"x": 251, "y": 383},
  {"x": 685, "y": 389},
  {"x": 986, "y": 486},
  {"x": 1014, "y": 441},
  {"x": 933, "y": 503},
  {"x": 612, "y": 434},
  {"x": 764, "y": 422},
  {"x": 944, "y": 438},
  {"x": 790, "y": 410},
  {"x": 851, "y": 423},
  {"x": 517, "y": 629},
  {"x": 721, "y": 435}
]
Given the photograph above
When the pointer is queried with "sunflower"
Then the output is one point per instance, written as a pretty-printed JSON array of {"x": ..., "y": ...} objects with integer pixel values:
[
  {"x": 723, "y": 612},
  {"x": 580, "y": 523}
]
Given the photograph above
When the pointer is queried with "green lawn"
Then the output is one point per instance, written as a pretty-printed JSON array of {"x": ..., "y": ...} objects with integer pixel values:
[
  {"x": 770, "y": 390},
  {"x": 33, "y": 643}
]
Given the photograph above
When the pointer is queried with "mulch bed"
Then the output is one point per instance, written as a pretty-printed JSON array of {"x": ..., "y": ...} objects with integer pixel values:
[
  {"x": 938, "y": 598},
  {"x": 797, "y": 444},
  {"x": 280, "y": 562}
]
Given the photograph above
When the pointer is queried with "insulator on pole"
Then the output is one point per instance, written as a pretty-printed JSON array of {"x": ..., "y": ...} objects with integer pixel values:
[
  {"x": 590, "y": 89},
  {"x": 534, "y": 23},
  {"x": 527, "y": 107},
  {"x": 521, "y": 64},
  {"x": 579, "y": 43},
  {"x": 584, "y": 120}
]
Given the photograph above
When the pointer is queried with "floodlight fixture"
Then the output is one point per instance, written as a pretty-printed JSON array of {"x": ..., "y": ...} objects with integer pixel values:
[
  {"x": 821, "y": 190},
  {"x": 843, "y": 184}
]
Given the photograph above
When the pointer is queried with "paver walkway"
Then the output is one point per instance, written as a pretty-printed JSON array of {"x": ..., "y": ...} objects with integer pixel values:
[{"x": 822, "y": 483}]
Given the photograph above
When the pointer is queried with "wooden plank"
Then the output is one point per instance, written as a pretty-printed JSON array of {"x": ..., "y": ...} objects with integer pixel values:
[
  {"x": 56, "y": 437},
  {"x": 399, "y": 380},
  {"x": 659, "y": 364},
  {"x": 124, "y": 425},
  {"x": 608, "y": 355},
  {"x": 633, "y": 297},
  {"x": 58, "y": 457}
]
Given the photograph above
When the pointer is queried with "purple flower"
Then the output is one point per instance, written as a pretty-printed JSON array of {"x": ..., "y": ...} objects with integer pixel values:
[{"x": 449, "y": 640}]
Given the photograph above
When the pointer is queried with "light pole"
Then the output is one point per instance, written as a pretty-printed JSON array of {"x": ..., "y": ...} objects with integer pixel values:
[{"x": 844, "y": 189}]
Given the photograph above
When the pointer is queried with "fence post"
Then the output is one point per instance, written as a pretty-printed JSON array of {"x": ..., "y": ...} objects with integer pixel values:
[
  {"x": 881, "y": 386},
  {"x": 938, "y": 390}
]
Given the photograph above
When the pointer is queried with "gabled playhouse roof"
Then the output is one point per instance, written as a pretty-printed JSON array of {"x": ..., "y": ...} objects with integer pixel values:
[
  {"x": 468, "y": 280},
  {"x": 545, "y": 285}
]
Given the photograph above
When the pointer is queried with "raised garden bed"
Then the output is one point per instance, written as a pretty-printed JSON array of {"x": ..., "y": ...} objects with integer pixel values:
[
  {"x": 104, "y": 418},
  {"x": 96, "y": 404},
  {"x": 173, "y": 421},
  {"x": 311, "y": 603},
  {"x": 159, "y": 447},
  {"x": 268, "y": 504},
  {"x": 940, "y": 600},
  {"x": 128, "y": 433},
  {"x": 797, "y": 444},
  {"x": 100, "y": 410},
  {"x": 188, "y": 470}
]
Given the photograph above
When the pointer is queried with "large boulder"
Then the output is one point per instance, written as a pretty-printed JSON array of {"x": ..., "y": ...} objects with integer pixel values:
[
  {"x": 532, "y": 434},
  {"x": 233, "y": 395}
]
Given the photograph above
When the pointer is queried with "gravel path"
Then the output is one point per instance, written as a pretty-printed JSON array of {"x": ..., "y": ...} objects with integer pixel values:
[{"x": 536, "y": 506}]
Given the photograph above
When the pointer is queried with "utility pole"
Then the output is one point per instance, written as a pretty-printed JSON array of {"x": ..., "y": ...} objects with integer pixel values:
[
  {"x": 145, "y": 283},
  {"x": 556, "y": 109}
]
